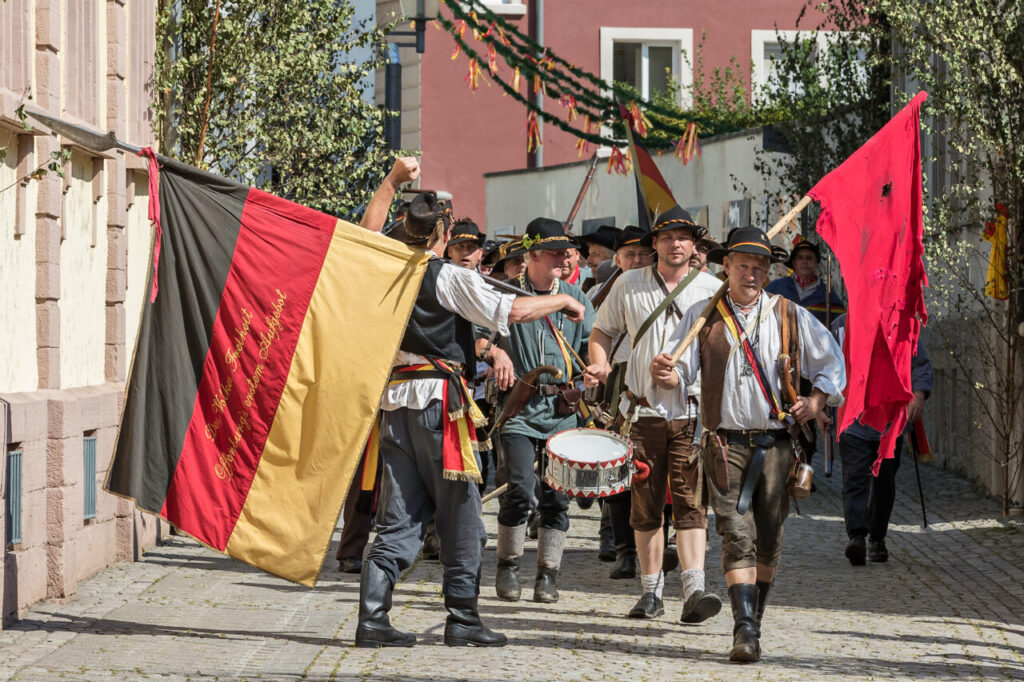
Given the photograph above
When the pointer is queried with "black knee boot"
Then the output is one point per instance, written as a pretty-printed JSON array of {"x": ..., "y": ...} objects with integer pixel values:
[
  {"x": 374, "y": 629},
  {"x": 463, "y": 627},
  {"x": 762, "y": 600},
  {"x": 746, "y": 647}
]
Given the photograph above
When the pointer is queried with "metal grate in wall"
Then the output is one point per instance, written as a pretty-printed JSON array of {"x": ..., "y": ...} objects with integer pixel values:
[
  {"x": 13, "y": 488},
  {"x": 89, "y": 476}
]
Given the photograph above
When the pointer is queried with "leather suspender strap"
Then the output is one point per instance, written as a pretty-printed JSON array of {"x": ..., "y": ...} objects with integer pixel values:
[{"x": 783, "y": 302}]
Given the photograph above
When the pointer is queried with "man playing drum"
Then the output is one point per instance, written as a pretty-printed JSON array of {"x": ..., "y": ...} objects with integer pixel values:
[
  {"x": 664, "y": 430},
  {"x": 547, "y": 412},
  {"x": 748, "y": 452}
]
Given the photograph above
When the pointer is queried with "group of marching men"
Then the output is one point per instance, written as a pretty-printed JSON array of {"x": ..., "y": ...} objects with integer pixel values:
[{"x": 716, "y": 422}]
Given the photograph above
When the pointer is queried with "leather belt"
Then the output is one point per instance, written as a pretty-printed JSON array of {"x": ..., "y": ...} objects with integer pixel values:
[
  {"x": 760, "y": 442},
  {"x": 548, "y": 389},
  {"x": 746, "y": 437}
]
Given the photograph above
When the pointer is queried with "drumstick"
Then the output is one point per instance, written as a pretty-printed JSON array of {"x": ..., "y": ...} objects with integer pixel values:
[{"x": 499, "y": 490}]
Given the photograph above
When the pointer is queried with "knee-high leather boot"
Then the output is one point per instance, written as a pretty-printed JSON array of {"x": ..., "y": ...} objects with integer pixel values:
[
  {"x": 746, "y": 647},
  {"x": 374, "y": 629},
  {"x": 464, "y": 628}
]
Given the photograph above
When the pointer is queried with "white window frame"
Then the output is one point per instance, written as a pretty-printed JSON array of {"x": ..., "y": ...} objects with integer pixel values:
[
  {"x": 508, "y": 7},
  {"x": 759, "y": 68},
  {"x": 679, "y": 39}
]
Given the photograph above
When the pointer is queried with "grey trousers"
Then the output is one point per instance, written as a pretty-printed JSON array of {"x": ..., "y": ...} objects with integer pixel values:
[{"x": 412, "y": 490}]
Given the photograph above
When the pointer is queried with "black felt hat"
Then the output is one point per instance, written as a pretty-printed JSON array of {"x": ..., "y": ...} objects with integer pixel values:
[
  {"x": 804, "y": 245},
  {"x": 509, "y": 250},
  {"x": 751, "y": 240},
  {"x": 673, "y": 219},
  {"x": 546, "y": 234},
  {"x": 421, "y": 219},
  {"x": 605, "y": 235},
  {"x": 465, "y": 230},
  {"x": 630, "y": 235}
]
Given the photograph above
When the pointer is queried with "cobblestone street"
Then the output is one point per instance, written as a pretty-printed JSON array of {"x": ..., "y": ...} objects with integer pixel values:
[{"x": 949, "y": 604}]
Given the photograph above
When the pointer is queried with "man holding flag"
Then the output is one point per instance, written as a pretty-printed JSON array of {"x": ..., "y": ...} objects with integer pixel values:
[{"x": 426, "y": 435}]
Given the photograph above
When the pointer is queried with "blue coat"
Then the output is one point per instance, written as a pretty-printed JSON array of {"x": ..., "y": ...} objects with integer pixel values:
[{"x": 814, "y": 301}]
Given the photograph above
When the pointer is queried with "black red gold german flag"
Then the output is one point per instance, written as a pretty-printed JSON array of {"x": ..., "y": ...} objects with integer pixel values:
[{"x": 260, "y": 362}]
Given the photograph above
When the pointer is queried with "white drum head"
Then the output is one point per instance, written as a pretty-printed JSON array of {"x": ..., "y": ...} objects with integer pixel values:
[{"x": 588, "y": 445}]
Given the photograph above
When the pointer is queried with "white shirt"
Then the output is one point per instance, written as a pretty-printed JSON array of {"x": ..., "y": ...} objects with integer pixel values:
[
  {"x": 744, "y": 406},
  {"x": 465, "y": 293},
  {"x": 632, "y": 299}
]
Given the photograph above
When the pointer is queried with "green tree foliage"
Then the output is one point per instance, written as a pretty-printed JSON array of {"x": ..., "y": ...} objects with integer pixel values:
[
  {"x": 267, "y": 92},
  {"x": 824, "y": 98},
  {"x": 969, "y": 56}
]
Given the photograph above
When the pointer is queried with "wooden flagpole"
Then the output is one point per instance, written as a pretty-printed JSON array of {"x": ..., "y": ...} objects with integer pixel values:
[{"x": 706, "y": 313}]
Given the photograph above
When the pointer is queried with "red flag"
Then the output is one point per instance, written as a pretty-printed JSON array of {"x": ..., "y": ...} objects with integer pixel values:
[{"x": 871, "y": 218}]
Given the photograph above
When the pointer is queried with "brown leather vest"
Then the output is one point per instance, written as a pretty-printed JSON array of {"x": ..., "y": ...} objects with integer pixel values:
[{"x": 714, "y": 355}]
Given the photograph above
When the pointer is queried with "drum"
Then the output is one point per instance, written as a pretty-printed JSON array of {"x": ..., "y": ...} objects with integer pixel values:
[{"x": 588, "y": 462}]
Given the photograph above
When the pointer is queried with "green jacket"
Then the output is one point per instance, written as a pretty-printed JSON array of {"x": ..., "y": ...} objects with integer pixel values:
[{"x": 532, "y": 344}]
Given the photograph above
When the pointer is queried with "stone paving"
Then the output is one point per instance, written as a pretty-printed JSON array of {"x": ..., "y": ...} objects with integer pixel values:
[{"x": 949, "y": 604}]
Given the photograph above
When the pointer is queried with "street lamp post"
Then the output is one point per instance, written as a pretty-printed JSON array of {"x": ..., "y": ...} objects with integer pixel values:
[{"x": 419, "y": 12}]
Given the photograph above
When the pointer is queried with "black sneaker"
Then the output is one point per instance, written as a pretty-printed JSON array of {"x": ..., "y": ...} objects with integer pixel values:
[
  {"x": 648, "y": 606},
  {"x": 856, "y": 550},
  {"x": 877, "y": 551}
]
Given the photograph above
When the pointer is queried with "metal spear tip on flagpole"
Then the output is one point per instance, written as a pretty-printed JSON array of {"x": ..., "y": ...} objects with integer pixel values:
[{"x": 90, "y": 139}]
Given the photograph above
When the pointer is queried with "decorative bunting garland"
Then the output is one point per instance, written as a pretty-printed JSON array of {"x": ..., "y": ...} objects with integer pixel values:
[
  {"x": 688, "y": 145},
  {"x": 532, "y": 132},
  {"x": 551, "y": 72},
  {"x": 472, "y": 77}
]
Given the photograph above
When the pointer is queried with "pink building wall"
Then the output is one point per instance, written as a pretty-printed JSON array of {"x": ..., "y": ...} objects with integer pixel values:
[
  {"x": 87, "y": 61},
  {"x": 466, "y": 134}
]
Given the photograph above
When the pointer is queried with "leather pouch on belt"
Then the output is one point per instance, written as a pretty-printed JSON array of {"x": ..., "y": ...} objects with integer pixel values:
[
  {"x": 716, "y": 460},
  {"x": 568, "y": 400}
]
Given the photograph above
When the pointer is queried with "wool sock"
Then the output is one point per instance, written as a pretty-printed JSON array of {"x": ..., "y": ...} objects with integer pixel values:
[
  {"x": 654, "y": 583},
  {"x": 693, "y": 580}
]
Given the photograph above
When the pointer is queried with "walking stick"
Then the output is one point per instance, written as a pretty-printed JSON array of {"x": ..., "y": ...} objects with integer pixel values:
[
  {"x": 826, "y": 429},
  {"x": 710, "y": 307},
  {"x": 917, "y": 472}
]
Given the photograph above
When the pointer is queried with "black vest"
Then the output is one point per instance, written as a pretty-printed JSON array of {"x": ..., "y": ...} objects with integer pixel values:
[{"x": 435, "y": 332}]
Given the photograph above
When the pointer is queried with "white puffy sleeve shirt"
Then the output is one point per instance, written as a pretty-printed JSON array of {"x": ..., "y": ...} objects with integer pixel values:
[
  {"x": 464, "y": 292},
  {"x": 744, "y": 406}
]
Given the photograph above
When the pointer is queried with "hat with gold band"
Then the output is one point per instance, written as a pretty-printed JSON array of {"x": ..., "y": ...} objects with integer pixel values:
[
  {"x": 752, "y": 240},
  {"x": 465, "y": 230},
  {"x": 421, "y": 219},
  {"x": 630, "y": 235},
  {"x": 804, "y": 245},
  {"x": 508, "y": 250},
  {"x": 673, "y": 219},
  {"x": 546, "y": 234}
]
